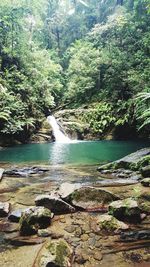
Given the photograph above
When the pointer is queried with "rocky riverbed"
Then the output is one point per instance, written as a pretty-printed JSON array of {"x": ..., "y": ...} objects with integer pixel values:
[{"x": 71, "y": 216}]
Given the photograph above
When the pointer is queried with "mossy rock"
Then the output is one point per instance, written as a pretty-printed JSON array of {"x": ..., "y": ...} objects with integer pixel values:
[
  {"x": 109, "y": 223},
  {"x": 91, "y": 198},
  {"x": 56, "y": 254},
  {"x": 125, "y": 210},
  {"x": 144, "y": 202},
  {"x": 33, "y": 219},
  {"x": 134, "y": 161}
]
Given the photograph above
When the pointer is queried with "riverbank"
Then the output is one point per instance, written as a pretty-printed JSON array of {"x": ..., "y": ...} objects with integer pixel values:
[{"x": 92, "y": 240}]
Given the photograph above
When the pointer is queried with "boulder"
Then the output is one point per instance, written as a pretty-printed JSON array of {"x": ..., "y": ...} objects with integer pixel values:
[
  {"x": 1, "y": 173},
  {"x": 54, "y": 203},
  {"x": 33, "y": 219},
  {"x": 4, "y": 209},
  {"x": 146, "y": 171},
  {"x": 55, "y": 254},
  {"x": 125, "y": 210},
  {"x": 146, "y": 182},
  {"x": 91, "y": 199},
  {"x": 109, "y": 223}
]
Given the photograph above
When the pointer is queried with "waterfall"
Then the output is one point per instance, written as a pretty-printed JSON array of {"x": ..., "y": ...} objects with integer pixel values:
[{"x": 58, "y": 134}]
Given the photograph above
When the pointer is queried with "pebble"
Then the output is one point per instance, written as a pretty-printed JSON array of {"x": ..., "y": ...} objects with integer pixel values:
[
  {"x": 78, "y": 232},
  {"x": 84, "y": 237},
  {"x": 98, "y": 244},
  {"x": 92, "y": 242},
  {"x": 98, "y": 256}
]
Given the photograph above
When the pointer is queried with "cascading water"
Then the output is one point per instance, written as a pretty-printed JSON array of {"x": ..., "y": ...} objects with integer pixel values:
[{"x": 58, "y": 134}]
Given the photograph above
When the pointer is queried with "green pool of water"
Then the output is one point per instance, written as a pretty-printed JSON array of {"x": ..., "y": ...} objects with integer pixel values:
[{"x": 79, "y": 153}]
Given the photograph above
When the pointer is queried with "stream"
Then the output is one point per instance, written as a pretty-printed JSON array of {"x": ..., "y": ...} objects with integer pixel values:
[{"x": 74, "y": 162}]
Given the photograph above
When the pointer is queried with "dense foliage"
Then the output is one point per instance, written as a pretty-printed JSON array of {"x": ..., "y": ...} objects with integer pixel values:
[{"x": 65, "y": 52}]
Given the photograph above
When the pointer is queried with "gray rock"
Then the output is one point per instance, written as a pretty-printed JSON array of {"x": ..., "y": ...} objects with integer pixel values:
[
  {"x": 146, "y": 171},
  {"x": 91, "y": 199},
  {"x": 54, "y": 203},
  {"x": 126, "y": 209},
  {"x": 4, "y": 209},
  {"x": 33, "y": 219},
  {"x": 56, "y": 254},
  {"x": 1, "y": 173},
  {"x": 146, "y": 182}
]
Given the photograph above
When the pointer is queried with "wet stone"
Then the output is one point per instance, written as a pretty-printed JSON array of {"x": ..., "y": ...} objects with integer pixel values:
[{"x": 8, "y": 227}]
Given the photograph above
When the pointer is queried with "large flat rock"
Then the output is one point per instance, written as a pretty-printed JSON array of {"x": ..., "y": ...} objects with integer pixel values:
[
  {"x": 91, "y": 198},
  {"x": 133, "y": 161}
]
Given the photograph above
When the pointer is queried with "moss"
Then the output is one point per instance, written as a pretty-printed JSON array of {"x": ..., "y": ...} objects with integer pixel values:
[
  {"x": 60, "y": 250},
  {"x": 89, "y": 194},
  {"x": 137, "y": 166},
  {"x": 109, "y": 225},
  {"x": 61, "y": 253}
]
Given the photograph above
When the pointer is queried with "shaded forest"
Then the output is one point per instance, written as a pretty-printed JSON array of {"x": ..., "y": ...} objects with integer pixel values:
[{"x": 57, "y": 54}]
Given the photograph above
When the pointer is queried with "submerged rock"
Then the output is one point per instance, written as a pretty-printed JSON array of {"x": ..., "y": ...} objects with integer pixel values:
[
  {"x": 109, "y": 223},
  {"x": 54, "y": 203},
  {"x": 55, "y": 254},
  {"x": 90, "y": 198},
  {"x": 146, "y": 182},
  {"x": 27, "y": 171},
  {"x": 33, "y": 219},
  {"x": 126, "y": 209},
  {"x": 17, "y": 240},
  {"x": 4, "y": 209},
  {"x": 135, "y": 235}
]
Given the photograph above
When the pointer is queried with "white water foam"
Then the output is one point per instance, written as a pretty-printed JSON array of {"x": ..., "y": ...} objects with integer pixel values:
[{"x": 60, "y": 137}]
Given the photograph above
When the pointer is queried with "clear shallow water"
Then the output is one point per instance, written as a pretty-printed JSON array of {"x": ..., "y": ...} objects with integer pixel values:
[{"x": 79, "y": 153}]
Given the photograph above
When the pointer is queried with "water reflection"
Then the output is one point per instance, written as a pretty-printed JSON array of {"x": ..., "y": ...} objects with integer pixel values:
[{"x": 59, "y": 153}]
